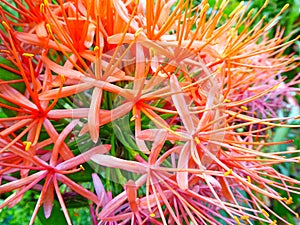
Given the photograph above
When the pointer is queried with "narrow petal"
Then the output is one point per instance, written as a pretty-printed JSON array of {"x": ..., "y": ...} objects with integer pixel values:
[
  {"x": 113, "y": 162},
  {"x": 180, "y": 104}
]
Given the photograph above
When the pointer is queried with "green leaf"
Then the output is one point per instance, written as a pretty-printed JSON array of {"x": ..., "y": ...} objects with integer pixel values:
[{"x": 57, "y": 216}]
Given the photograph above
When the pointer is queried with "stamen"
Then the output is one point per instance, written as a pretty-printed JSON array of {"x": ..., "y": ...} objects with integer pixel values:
[
  {"x": 289, "y": 201},
  {"x": 4, "y": 51},
  {"x": 152, "y": 215},
  {"x": 244, "y": 108},
  {"x": 5, "y": 25},
  {"x": 237, "y": 220},
  {"x": 265, "y": 213},
  {"x": 62, "y": 78},
  {"x": 27, "y": 145},
  {"x": 48, "y": 27},
  {"x": 42, "y": 8},
  {"x": 274, "y": 222},
  {"x": 227, "y": 100},
  {"x": 245, "y": 217},
  {"x": 197, "y": 140},
  {"x": 228, "y": 173},
  {"x": 249, "y": 179},
  {"x": 138, "y": 32},
  {"x": 81, "y": 167},
  {"x": 28, "y": 55},
  {"x": 46, "y": 3},
  {"x": 96, "y": 49}
]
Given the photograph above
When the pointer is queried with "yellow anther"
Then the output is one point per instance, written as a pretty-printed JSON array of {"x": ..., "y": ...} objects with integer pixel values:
[
  {"x": 62, "y": 78},
  {"x": 245, "y": 217},
  {"x": 133, "y": 118},
  {"x": 48, "y": 27},
  {"x": 297, "y": 215},
  {"x": 285, "y": 7},
  {"x": 152, "y": 215},
  {"x": 219, "y": 69},
  {"x": 136, "y": 2},
  {"x": 197, "y": 140},
  {"x": 152, "y": 53},
  {"x": 227, "y": 173},
  {"x": 27, "y": 145},
  {"x": 4, "y": 51},
  {"x": 271, "y": 182},
  {"x": 5, "y": 25},
  {"x": 289, "y": 201},
  {"x": 46, "y": 3},
  {"x": 237, "y": 220},
  {"x": 28, "y": 55},
  {"x": 274, "y": 222},
  {"x": 227, "y": 100},
  {"x": 81, "y": 167},
  {"x": 249, "y": 179},
  {"x": 42, "y": 8},
  {"x": 138, "y": 32},
  {"x": 265, "y": 213},
  {"x": 244, "y": 108},
  {"x": 96, "y": 49}
]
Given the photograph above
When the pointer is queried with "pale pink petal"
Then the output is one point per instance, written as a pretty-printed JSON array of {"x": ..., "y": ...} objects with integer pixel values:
[
  {"x": 183, "y": 160},
  {"x": 113, "y": 162},
  {"x": 83, "y": 157},
  {"x": 94, "y": 114},
  {"x": 180, "y": 104}
]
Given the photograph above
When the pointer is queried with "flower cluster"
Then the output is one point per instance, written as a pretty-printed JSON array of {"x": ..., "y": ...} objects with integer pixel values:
[{"x": 170, "y": 104}]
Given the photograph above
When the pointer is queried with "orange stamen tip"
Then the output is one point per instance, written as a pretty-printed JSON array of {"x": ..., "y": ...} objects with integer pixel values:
[
  {"x": 249, "y": 179},
  {"x": 96, "y": 49},
  {"x": 82, "y": 168},
  {"x": 152, "y": 215},
  {"x": 136, "y": 2},
  {"x": 28, "y": 55},
  {"x": 197, "y": 140},
  {"x": 265, "y": 213},
  {"x": 5, "y": 25},
  {"x": 227, "y": 173},
  {"x": 48, "y": 27},
  {"x": 245, "y": 217},
  {"x": 296, "y": 117},
  {"x": 274, "y": 222},
  {"x": 227, "y": 100},
  {"x": 138, "y": 32},
  {"x": 237, "y": 220},
  {"x": 289, "y": 201},
  {"x": 42, "y": 8},
  {"x": 244, "y": 108},
  {"x": 27, "y": 145}
]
